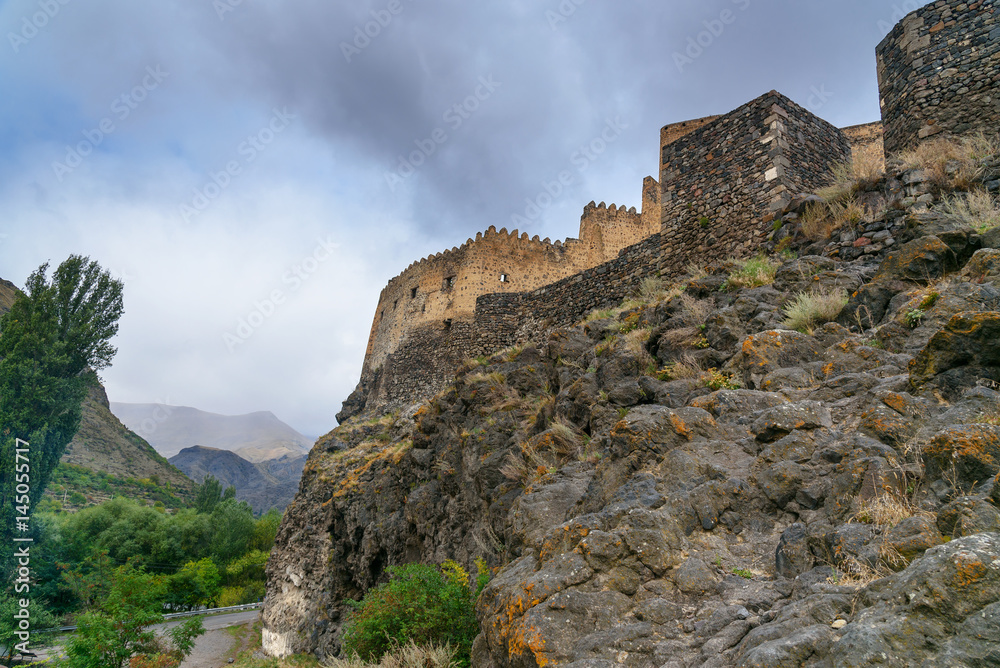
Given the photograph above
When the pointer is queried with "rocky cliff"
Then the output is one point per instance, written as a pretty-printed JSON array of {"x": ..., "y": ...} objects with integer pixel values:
[{"x": 689, "y": 481}]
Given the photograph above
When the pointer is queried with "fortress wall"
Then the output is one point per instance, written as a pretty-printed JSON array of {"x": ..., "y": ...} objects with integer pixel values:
[
  {"x": 511, "y": 319},
  {"x": 674, "y": 131},
  {"x": 809, "y": 148},
  {"x": 426, "y": 357},
  {"x": 939, "y": 73},
  {"x": 605, "y": 230},
  {"x": 722, "y": 183},
  {"x": 445, "y": 286},
  {"x": 863, "y": 136}
]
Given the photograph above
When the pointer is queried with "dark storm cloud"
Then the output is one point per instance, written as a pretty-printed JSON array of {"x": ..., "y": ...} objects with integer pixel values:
[
  {"x": 564, "y": 68},
  {"x": 552, "y": 76}
]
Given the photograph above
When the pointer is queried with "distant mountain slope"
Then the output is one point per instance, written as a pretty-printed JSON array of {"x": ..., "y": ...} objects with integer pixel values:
[
  {"x": 103, "y": 444},
  {"x": 199, "y": 462},
  {"x": 8, "y": 293},
  {"x": 255, "y": 436},
  {"x": 270, "y": 484}
]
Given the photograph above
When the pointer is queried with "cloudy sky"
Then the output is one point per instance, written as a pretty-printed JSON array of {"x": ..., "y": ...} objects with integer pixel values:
[{"x": 257, "y": 170}]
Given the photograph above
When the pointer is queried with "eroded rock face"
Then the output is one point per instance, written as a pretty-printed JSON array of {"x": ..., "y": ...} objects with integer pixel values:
[{"x": 839, "y": 508}]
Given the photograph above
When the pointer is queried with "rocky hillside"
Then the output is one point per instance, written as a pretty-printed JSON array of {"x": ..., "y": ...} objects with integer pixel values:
[
  {"x": 270, "y": 484},
  {"x": 255, "y": 436},
  {"x": 103, "y": 445},
  {"x": 8, "y": 293},
  {"x": 786, "y": 463}
]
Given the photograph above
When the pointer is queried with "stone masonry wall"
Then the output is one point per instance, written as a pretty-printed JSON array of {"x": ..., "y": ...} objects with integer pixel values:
[
  {"x": 606, "y": 230},
  {"x": 723, "y": 182},
  {"x": 939, "y": 73},
  {"x": 445, "y": 286},
  {"x": 864, "y": 136},
  {"x": 425, "y": 358}
]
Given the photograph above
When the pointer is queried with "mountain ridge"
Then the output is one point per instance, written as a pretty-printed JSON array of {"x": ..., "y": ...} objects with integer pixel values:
[
  {"x": 256, "y": 436},
  {"x": 264, "y": 485}
]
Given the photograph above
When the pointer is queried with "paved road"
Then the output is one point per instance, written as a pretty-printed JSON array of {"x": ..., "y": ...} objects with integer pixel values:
[
  {"x": 217, "y": 621},
  {"x": 216, "y": 645}
]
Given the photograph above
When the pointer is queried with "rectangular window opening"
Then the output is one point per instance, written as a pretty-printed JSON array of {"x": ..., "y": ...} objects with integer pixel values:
[
  {"x": 413, "y": 293},
  {"x": 504, "y": 278}
]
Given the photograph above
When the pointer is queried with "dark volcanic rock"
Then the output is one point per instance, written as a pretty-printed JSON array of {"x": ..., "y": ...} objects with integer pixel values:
[{"x": 792, "y": 499}]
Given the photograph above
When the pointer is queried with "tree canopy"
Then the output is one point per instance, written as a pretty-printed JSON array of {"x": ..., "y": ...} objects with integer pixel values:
[{"x": 54, "y": 334}]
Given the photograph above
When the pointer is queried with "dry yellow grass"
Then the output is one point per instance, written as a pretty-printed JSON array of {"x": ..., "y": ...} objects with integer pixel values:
[
  {"x": 410, "y": 655},
  {"x": 862, "y": 172},
  {"x": 951, "y": 163},
  {"x": 976, "y": 209},
  {"x": 816, "y": 222},
  {"x": 884, "y": 510}
]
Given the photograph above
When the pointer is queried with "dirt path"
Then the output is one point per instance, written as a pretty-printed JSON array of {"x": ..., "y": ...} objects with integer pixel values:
[{"x": 212, "y": 650}]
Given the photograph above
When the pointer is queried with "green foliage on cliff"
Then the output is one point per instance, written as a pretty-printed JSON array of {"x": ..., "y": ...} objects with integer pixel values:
[
  {"x": 97, "y": 486},
  {"x": 422, "y": 604},
  {"x": 52, "y": 334}
]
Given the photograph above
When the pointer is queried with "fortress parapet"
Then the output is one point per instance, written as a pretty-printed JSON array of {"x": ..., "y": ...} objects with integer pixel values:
[{"x": 939, "y": 73}]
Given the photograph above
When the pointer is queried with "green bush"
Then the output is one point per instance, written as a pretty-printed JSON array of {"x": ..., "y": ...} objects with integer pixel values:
[
  {"x": 425, "y": 604},
  {"x": 752, "y": 273}
]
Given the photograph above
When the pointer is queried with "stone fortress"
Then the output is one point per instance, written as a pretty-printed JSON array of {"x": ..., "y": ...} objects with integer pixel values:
[{"x": 723, "y": 180}]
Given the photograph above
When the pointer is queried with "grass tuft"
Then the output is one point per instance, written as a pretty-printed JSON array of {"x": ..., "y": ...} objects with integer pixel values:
[
  {"x": 862, "y": 172},
  {"x": 951, "y": 164},
  {"x": 884, "y": 510},
  {"x": 409, "y": 655},
  {"x": 811, "y": 309},
  {"x": 976, "y": 209},
  {"x": 752, "y": 272}
]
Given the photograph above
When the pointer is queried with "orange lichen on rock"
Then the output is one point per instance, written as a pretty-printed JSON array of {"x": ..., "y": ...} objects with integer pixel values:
[
  {"x": 896, "y": 402},
  {"x": 969, "y": 572}
]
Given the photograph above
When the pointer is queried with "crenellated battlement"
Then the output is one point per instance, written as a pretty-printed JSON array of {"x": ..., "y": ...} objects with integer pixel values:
[{"x": 722, "y": 181}]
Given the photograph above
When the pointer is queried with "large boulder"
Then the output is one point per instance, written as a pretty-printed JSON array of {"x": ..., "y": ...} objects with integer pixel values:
[
  {"x": 768, "y": 351},
  {"x": 962, "y": 355},
  {"x": 920, "y": 261}
]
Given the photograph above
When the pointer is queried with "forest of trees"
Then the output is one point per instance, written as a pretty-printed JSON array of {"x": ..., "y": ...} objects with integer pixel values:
[{"x": 116, "y": 568}]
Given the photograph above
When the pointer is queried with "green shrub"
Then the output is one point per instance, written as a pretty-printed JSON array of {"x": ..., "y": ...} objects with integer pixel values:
[
  {"x": 752, "y": 273},
  {"x": 425, "y": 604}
]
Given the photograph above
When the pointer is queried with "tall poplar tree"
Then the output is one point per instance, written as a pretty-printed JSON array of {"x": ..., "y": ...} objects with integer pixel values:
[{"x": 55, "y": 333}]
